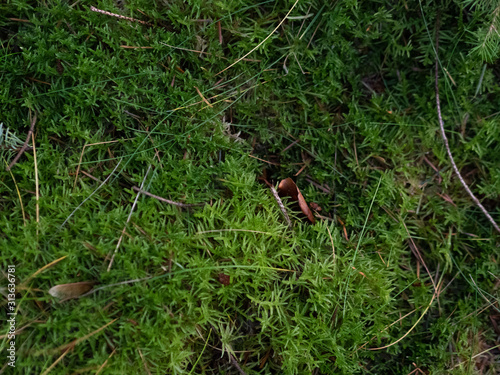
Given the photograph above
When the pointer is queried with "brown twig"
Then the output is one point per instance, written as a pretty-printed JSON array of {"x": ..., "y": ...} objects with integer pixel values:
[
  {"x": 447, "y": 146},
  {"x": 235, "y": 363},
  {"x": 220, "y": 32},
  {"x": 25, "y": 145},
  {"x": 418, "y": 255},
  {"x": 290, "y": 145},
  {"x": 321, "y": 187},
  {"x": 144, "y": 192}
]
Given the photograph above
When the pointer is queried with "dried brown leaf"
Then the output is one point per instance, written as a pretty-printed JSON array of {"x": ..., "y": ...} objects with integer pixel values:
[
  {"x": 73, "y": 290},
  {"x": 287, "y": 187}
]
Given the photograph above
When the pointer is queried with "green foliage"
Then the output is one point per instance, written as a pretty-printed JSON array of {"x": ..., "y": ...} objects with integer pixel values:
[
  {"x": 9, "y": 142},
  {"x": 340, "y": 96}
]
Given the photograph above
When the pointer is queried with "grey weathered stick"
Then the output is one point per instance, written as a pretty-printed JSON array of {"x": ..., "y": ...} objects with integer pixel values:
[
  {"x": 447, "y": 146},
  {"x": 282, "y": 206}
]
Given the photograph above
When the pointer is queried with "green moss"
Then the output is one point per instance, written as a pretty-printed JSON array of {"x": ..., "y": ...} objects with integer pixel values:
[{"x": 353, "y": 83}]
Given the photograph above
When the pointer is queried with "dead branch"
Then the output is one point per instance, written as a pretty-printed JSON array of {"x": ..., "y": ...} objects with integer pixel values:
[
  {"x": 447, "y": 146},
  {"x": 25, "y": 145}
]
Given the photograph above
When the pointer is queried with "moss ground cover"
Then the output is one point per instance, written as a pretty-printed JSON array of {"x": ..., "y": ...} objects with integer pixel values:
[{"x": 200, "y": 103}]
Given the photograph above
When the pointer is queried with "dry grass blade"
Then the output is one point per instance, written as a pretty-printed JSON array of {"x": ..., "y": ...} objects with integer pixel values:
[
  {"x": 49, "y": 369},
  {"x": 18, "y": 194},
  {"x": 415, "y": 251},
  {"x": 333, "y": 246},
  {"x": 90, "y": 196},
  {"x": 434, "y": 295},
  {"x": 37, "y": 187},
  {"x": 54, "y": 262},
  {"x": 105, "y": 363},
  {"x": 202, "y": 97},
  {"x": 388, "y": 326},
  {"x": 116, "y": 284},
  {"x": 258, "y": 45},
  {"x": 74, "y": 343},
  {"x": 475, "y": 356},
  {"x": 146, "y": 368},
  {"x": 233, "y": 230}
]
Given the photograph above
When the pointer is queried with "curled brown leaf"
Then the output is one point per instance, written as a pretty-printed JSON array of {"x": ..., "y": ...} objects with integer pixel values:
[{"x": 287, "y": 187}]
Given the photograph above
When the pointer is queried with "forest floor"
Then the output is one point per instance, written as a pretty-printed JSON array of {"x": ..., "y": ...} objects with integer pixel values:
[{"x": 139, "y": 156}]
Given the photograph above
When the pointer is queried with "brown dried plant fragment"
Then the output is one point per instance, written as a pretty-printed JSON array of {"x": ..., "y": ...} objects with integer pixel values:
[
  {"x": 224, "y": 279},
  {"x": 64, "y": 292},
  {"x": 288, "y": 188}
]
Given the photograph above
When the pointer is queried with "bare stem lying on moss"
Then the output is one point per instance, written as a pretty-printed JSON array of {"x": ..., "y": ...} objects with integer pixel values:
[
  {"x": 282, "y": 207},
  {"x": 25, "y": 145},
  {"x": 128, "y": 219},
  {"x": 161, "y": 199},
  {"x": 446, "y": 144}
]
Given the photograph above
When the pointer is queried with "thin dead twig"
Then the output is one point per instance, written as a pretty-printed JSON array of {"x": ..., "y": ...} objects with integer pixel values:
[
  {"x": 147, "y": 193},
  {"x": 282, "y": 207},
  {"x": 235, "y": 363},
  {"x": 105, "y": 363},
  {"x": 94, "y": 9},
  {"x": 418, "y": 255},
  {"x": 115, "y": 284},
  {"x": 73, "y": 343},
  {"x": 25, "y": 145},
  {"x": 447, "y": 146},
  {"x": 81, "y": 156},
  {"x": 161, "y": 199},
  {"x": 144, "y": 362},
  {"x": 128, "y": 219},
  {"x": 37, "y": 186},
  {"x": 90, "y": 196}
]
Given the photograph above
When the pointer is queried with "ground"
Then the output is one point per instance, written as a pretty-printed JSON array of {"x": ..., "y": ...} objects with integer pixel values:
[{"x": 159, "y": 131}]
